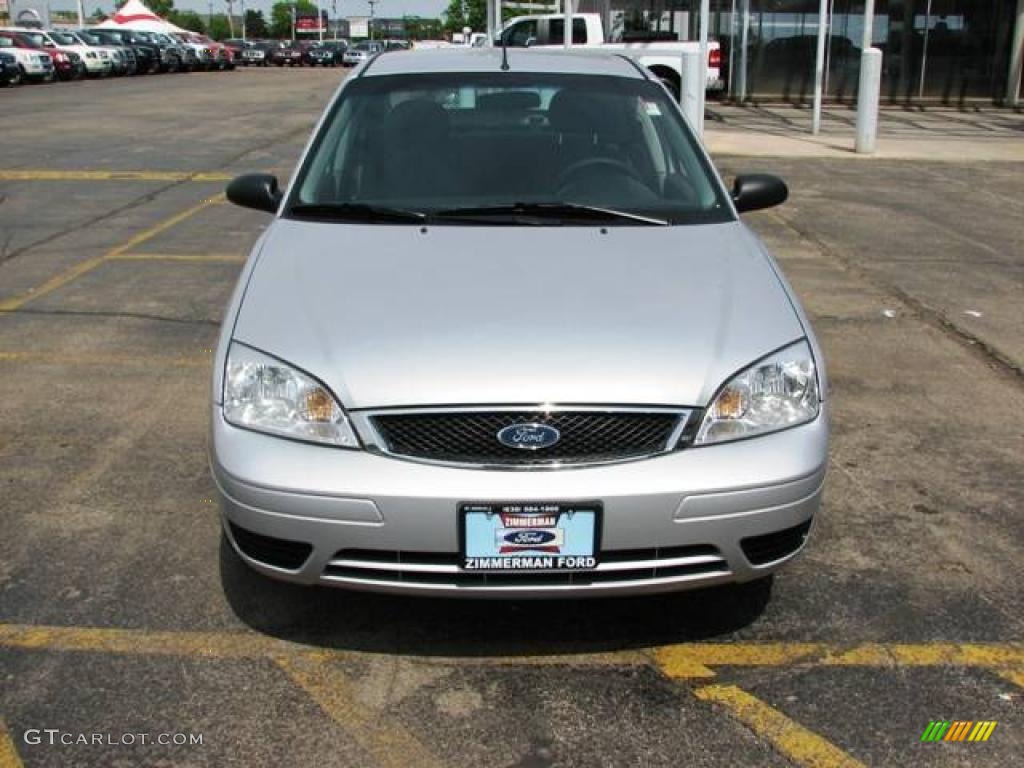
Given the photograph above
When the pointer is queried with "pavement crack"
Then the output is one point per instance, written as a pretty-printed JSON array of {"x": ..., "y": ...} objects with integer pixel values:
[
  {"x": 935, "y": 318},
  {"x": 100, "y": 313}
]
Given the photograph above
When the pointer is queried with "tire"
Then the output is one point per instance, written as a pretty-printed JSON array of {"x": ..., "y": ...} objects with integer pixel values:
[{"x": 17, "y": 78}]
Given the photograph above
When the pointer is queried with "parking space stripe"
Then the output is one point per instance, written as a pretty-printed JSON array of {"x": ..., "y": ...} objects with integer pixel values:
[
  {"x": 92, "y": 175},
  {"x": 227, "y": 258},
  {"x": 992, "y": 655},
  {"x": 8, "y": 754},
  {"x": 389, "y": 743},
  {"x": 791, "y": 739},
  {"x": 1015, "y": 676},
  {"x": 77, "y": 270}
]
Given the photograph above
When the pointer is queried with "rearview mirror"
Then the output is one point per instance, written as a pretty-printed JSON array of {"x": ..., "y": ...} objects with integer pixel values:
[
  {"x": 754, "y": 191},
  {"x": 255, "y": 190}
]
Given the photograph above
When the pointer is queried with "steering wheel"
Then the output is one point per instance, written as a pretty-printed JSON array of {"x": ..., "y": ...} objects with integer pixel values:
[{"x": 590, "y": 163}]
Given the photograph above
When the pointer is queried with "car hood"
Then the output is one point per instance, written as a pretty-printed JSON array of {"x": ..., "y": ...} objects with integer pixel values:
[{"x": 396, "y": 316}]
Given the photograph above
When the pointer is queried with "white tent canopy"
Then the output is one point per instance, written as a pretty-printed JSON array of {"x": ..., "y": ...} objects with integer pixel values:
[{"x": 135, "y": 14}]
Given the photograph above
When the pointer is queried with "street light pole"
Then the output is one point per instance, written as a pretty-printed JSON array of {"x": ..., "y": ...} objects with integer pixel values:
[{"x": 372, "y": 3}]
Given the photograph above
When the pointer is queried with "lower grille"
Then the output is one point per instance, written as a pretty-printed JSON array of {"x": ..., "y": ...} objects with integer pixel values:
[
  {"x": 280, "y": 553},
  {"x": 775, "y": 546},
  {"x": 585, "y": 436},
  {"x": 441, "y": 569}
]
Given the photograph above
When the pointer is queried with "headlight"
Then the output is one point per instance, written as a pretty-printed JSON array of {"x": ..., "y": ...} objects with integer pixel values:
[
  {"x": 267, "y": 395},
  {"x": 776, "y": 392}
]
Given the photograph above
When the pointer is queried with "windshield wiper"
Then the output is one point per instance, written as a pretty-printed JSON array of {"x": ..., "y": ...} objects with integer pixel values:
[
  {"x": 561, "y": 211},
  {"x": 356, "y": 212}
]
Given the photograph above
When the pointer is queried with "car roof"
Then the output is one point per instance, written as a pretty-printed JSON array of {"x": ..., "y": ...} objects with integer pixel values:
[{"x": 490, "y": 59}]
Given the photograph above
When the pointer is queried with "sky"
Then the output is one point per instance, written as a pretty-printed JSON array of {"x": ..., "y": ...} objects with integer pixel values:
[{"x": 384, "y": 8}]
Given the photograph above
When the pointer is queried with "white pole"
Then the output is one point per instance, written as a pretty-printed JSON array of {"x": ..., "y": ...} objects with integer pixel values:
[
  {"x": 924, "y": 49},
  {"x": 1016, "y": 59},
  {"x": 81, "y": 13},
  {"x": 869, "y": 20},
  {"x": 705, "y": 14},
  {"x": 695, "y": 76},
  {"x": 492, "y": 29},
  {"x": 819, "y": 65},
  {"x": 867, "y": 100},
  {"x": 741, "y": 87},
  {"x": 732, "y": 47},
  {"x": 870, "y": 87},
  {"x": 567, "y": 15},
  {"x": 320, "y": 20}
]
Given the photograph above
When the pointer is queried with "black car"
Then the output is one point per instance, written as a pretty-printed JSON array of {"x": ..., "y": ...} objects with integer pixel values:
[
  {"x": 10, "y": 73},
  {"x": 147, "y": 54},
  {"x": 256, "y": 54},
  {"x": 327, "y": 54}
]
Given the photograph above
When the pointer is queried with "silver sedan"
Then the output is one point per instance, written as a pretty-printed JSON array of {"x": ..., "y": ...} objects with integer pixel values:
[{"x": 506, "y": 335}]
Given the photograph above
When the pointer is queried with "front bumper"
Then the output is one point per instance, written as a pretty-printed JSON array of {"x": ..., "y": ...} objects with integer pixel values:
[{"x": 704, "y": 504}]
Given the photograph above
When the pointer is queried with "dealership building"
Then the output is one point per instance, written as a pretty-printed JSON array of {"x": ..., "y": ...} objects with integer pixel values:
[{"x": 934, "y": 51}]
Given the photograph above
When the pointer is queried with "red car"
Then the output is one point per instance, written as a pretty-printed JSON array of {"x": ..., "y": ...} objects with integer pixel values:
[{"x": 67, "y": 65}]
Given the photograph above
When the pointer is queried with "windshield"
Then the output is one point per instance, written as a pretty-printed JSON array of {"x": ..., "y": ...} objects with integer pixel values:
[
  {"x": 64, "y": 38},
  {"x": 89, "y": 38},
  {"x": 365, "y": 47},
  {"x": 7, "y": 42},
  {"x": 34, "y": 39},
  {"x": 449, "y": 143}
]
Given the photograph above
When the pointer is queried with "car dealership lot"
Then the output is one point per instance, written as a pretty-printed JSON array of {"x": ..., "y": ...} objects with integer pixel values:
[{"x": 121, "y": 612}]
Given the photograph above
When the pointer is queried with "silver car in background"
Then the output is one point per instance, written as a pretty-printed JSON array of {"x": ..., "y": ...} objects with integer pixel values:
[{"x": 506, "y": 335}]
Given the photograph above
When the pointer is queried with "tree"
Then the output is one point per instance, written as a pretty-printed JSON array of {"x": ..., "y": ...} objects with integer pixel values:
[
  {"x": 419, "y": 28},
  {"x": 220, "y": 28},
  {"x": 281, "y": 16},
  {"x": 187, "y": 20},
  {"x": 255, "y": 24},
  {"x": 98, "y": 16}
]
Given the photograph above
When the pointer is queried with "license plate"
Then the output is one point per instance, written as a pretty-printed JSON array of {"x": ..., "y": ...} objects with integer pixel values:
[{"x": 529, "y": 537}]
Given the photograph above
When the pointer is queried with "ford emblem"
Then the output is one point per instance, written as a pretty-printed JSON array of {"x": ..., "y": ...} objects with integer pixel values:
[
  {"x": 525, "y": 538},
  {"x": 529, "y": 437}
]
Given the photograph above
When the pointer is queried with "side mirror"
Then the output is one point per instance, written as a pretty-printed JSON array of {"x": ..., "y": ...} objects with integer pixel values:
[
  {"x": 531, "y": 41},
  {"x": 754, "y": 191},
  {"x": 255, "y": 190}
]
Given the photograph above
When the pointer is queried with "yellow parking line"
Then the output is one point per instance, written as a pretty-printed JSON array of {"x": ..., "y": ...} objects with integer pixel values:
[
  {"x": 1015, "y": 676},
  {"x": 8, "y": 754},
  {"x": 77, "y": 270},
  {"x": 380, "y": 735},
  {"x": 823, "y": 654},
  {"x": 227, "y": 258},
  {"x": 791, "y": 739},
  {"x": 91, "y": 175}
]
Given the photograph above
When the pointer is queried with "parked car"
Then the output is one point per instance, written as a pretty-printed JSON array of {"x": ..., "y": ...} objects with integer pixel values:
[
  {"x": 663, "y": 57},
  {"x": 198, "y": 55},
  {"x": 96, "y": 63},
  {"x": 122, "y": 57},
  {"x": 10, "y": 73},
  {"x": 147, "y": 53},
  {"x": 33, "y": 62},
  {"x": 360, "y": 52},
  {"x": 257, "y": 54},
  {"x": 67, "y": 65},
  {"x": 564, "y": 416},
  {"x": 172, "y": 56},
  {"x": 328, "y": 54},
  {"x": 286, "y": 55},
  {"x": 236, "y": 47}
]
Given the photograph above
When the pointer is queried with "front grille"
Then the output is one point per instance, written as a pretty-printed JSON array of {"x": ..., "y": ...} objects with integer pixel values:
[
  {"x": 775, "y": 546},
  {"x": 470, "y": 437},
  {"x": 280, "y": 553},
  {"x": 441, "y": 569}
]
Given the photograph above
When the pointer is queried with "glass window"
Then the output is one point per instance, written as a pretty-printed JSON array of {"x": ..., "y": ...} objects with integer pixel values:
[
  {"x": 521, "y": 34},
  {"x": 556, "y": 32},
  {"x": 439, "y": 142}
]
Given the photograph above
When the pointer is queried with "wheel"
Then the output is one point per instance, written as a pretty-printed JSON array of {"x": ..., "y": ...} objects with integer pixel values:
[{"x": 17, "y": 78}]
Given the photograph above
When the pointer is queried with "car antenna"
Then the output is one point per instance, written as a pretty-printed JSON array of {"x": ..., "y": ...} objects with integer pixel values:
[{"x": 504, "y": 52}]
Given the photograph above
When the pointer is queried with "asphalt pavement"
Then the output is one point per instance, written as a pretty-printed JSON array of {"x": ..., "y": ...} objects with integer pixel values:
[{"x": 123, "y": 613}]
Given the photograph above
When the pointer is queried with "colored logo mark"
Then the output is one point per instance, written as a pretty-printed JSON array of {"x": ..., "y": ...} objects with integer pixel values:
[{"x": 958, "y": 730}]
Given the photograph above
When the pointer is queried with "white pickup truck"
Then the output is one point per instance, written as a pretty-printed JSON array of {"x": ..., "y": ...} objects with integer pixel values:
[{"x": 662, "y": 58}]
